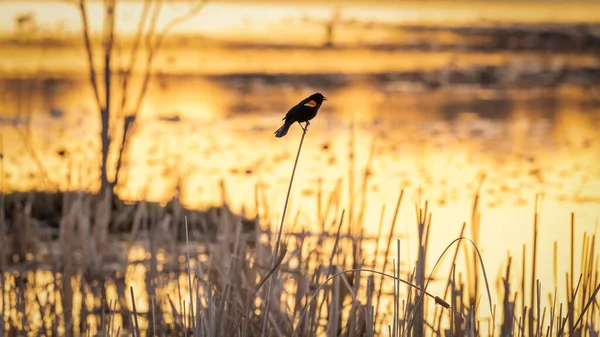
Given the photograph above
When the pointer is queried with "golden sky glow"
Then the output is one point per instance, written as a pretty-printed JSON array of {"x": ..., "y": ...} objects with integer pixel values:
[{"x": 237, "y": 19}]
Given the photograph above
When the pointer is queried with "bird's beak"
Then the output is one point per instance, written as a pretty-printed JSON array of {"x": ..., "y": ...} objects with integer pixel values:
[{"x": 324, "y": 98}]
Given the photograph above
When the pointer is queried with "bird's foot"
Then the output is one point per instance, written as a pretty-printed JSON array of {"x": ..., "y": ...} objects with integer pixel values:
[{"x": 302, "y": 126}]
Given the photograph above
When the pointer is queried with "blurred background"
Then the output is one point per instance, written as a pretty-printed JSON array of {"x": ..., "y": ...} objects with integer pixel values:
[{"x": 449, "y": 101}]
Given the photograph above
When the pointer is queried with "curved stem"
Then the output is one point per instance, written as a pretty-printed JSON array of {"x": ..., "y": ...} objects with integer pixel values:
[
  {"x": 276, "y": 252},
  {"x": 487, "y": 286},
  {"x": 437, "y": 299}
]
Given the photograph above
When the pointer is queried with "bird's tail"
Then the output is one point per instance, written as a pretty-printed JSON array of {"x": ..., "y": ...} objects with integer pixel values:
[{"x": 283, "y": 130}]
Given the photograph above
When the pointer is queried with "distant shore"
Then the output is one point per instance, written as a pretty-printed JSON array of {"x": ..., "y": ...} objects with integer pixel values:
[
  {"x": 428, "y": 57},
  {"x": 582, "y": 37}
]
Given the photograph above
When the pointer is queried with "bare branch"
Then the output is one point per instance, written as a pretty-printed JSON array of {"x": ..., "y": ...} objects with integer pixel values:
[
  {"x": 88, "y": 48},
  {"x": 105, "y": 135},
  {"x": 128, "y": 122},
  {"x": 153, "y": 23},
  {"x": 132, "y": 58},
  {"x": 153, "y": 48},
  {"x": 109, "y": 38},
  {"x": 178, "y": 20}
]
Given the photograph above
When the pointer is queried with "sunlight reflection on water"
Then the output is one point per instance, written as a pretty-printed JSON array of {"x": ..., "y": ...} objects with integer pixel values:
[{"x": 437, "y": 146}]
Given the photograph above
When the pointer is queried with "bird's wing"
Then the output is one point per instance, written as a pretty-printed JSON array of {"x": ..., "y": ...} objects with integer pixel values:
[
  {"x": 292, "y": 111},
  {"x": 307, "y": 102}
]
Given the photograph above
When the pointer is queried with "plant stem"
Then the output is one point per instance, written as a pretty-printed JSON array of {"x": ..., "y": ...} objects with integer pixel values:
[{"x": 276, "y": 252}]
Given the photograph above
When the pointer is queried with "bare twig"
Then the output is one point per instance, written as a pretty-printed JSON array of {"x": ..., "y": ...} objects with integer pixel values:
[
  {"x": 276, "y": 251},
  {"x": 189, "y": 272},
  {"x": 153, "y": 43},
  {"x": 89, "y": 51}
]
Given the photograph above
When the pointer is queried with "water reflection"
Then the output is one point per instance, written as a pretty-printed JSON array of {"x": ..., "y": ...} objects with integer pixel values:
[
  {"x": 202, "y": 133},
  {"x": 443, "y": 146}
]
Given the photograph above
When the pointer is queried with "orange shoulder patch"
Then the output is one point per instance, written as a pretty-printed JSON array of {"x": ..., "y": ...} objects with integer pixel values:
[{"x": 311, "y": 104}]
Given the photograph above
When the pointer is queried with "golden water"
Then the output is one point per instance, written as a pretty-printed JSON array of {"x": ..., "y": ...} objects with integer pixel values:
[
  {"x": 435, "y": 145},
  {"x": 546, "y": 145}
]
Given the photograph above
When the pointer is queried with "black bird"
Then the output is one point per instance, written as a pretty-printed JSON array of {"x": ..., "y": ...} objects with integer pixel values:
[{"x": 302, "y": 112}]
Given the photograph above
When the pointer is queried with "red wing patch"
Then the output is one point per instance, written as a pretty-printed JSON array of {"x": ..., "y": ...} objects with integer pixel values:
[{"x": 311, "y": 104}]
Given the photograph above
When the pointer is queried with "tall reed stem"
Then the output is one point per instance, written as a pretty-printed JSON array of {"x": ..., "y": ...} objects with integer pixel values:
[
  {"x": 276, "y": 252},
  {"x": 2, "y": 241},
  {"x": 187, "y": 244}
]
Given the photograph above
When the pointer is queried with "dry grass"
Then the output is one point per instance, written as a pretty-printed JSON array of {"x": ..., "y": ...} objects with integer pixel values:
[
  {"x": 325, "y": 287},
  {"x": 79, "y": 264}
]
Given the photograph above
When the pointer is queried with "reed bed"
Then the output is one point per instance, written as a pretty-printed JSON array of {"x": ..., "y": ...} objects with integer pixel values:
[
  {"x": 146, "y": 269},
  {"x": 79, "y": 264}
]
